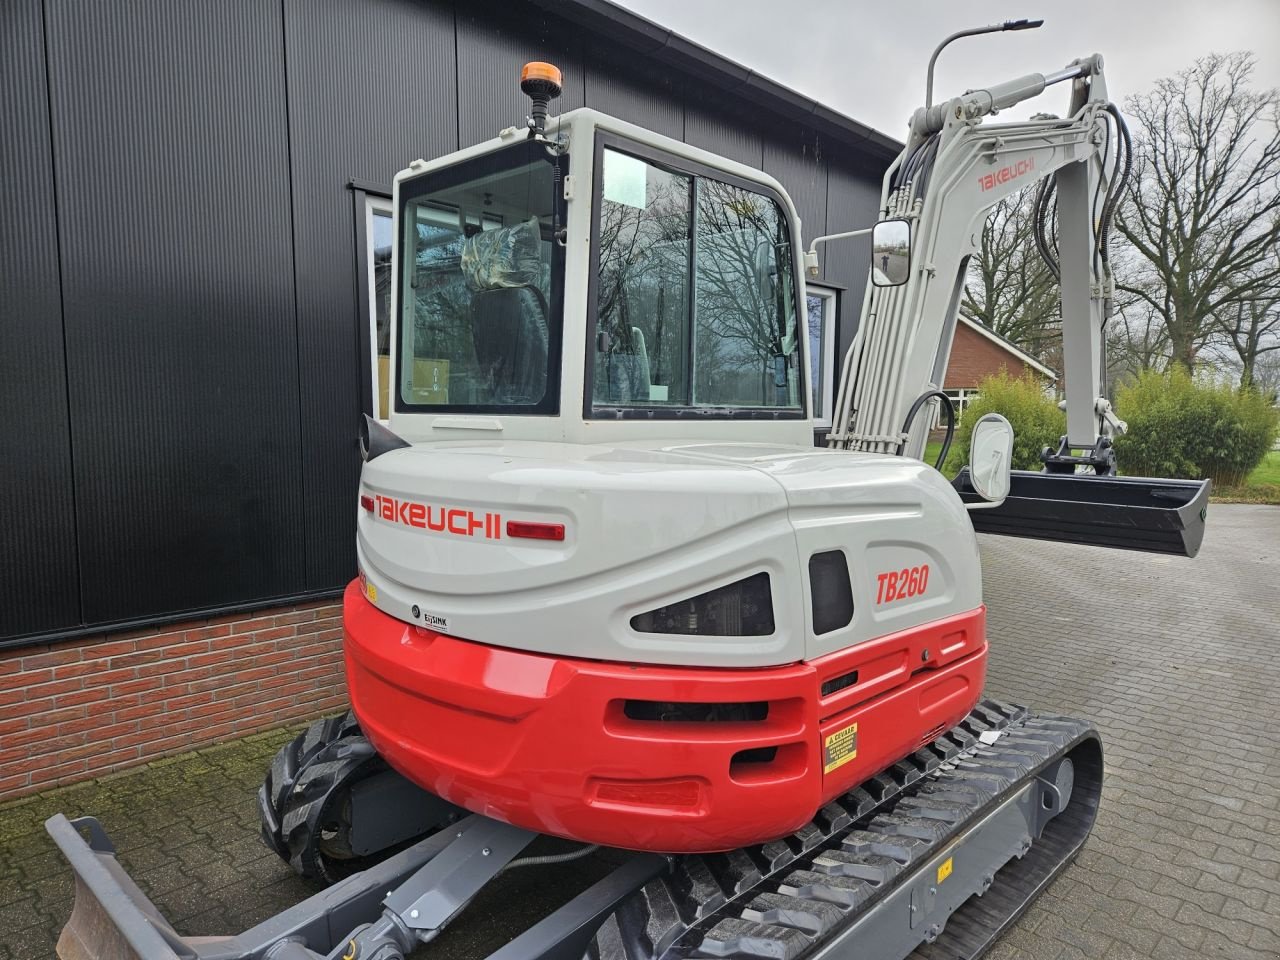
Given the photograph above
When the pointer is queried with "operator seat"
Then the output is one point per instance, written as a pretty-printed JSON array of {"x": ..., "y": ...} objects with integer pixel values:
[
  {"x": 509, "y": 331},
  {"x": 503, "y": 269}
]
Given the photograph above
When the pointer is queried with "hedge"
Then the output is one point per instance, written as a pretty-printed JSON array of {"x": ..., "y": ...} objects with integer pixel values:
[
  {"x": 1182, "y": 428},
  {"x": 1037, "y": 422}
]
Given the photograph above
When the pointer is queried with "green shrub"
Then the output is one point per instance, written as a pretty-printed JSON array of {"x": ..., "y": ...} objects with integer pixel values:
[
  {"x": 1184, "y": 429},
  {"x": 1037, "y": 422}
]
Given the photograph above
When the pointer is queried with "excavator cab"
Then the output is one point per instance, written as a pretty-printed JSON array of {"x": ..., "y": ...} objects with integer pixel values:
[{"x": 584, "y": 281}]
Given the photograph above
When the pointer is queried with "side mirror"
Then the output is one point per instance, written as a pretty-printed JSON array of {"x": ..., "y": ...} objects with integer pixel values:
[
  {"x": 991, "y": 457},
  {"x": 890, "y": 253}
]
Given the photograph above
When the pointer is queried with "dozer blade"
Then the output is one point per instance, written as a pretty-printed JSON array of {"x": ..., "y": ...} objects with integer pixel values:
[
  {"x": 112, "y": 919},
  {"x": 1131, "y": 513}
]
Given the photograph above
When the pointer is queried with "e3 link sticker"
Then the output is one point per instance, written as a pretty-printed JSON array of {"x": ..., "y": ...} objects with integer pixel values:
[{"x": 839, "y": 748}]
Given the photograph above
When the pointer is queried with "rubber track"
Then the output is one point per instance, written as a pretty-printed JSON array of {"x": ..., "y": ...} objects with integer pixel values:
[
  {"x": 300, "y": 788},
  {"x": 778, "y": 900},
  {"x": 319, "y": 786},
  {"x": 286, "y": 766}
]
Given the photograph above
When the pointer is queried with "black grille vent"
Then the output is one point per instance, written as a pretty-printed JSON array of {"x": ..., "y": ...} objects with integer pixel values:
[
  {"x": 830, "y": 591},
  {"x": 836, "y": 684},
  {"x": 660, "y": 711}
]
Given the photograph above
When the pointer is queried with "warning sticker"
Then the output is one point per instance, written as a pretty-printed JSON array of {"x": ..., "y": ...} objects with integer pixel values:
[
  {"x": 839, "y": 748},
  {"x": 430, "y": 381},
  {"x": 944, "y": 869}
]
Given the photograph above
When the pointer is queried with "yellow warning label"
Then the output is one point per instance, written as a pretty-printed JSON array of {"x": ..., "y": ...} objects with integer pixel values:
[
  {"x": 839, "y": 748},
  {"x": 430, "y": 381},
  {"x": 944, "y": 869},
  {"x": 371, "y": 591}
]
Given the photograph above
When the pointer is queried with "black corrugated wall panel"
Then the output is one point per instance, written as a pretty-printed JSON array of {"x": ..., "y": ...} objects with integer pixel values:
[
  {"x": 796, "y": 156},
  {"x": 712, "y": 123},
  {"x": 632, "y": 88},
  {"x": 39, "y": 586},
  {"x": 372, "y": 86},
  {"x": 172, "y": 178},
  {"x": 853, "y": 202},
  {"x": 494, "y": 40}
]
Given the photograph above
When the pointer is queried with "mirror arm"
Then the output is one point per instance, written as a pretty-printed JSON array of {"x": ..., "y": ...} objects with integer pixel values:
[{"x": 811, "y": 255}]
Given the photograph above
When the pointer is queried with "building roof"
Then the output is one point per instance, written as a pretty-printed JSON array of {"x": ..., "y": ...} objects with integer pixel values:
[
  {"x": 1012, "y": 348},
  {"x": 659, "y": 43}
]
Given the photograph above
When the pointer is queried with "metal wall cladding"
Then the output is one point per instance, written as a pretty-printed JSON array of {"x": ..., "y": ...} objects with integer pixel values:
[
  {"x": 495, "y": 39},
  {"x": 797, "y": 157},
  {"x": 180, "y": 333},
  {"x": 632, "y": 88},
  {"x": 372, "y": 86},
  {"x": 39, "y": 582},
  {"x": 853, "y": 202},
  {"x": 169, "y": 128},
  {"x": 716, "y": 123}
]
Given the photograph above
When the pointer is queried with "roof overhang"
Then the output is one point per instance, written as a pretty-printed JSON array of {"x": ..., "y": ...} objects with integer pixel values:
[
  {"x": 666, "y": 46},
  {"x": 1004, "y": 344}
]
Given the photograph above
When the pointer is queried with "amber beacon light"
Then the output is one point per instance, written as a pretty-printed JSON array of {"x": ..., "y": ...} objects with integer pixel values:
[{"x": 541, "y": 83}]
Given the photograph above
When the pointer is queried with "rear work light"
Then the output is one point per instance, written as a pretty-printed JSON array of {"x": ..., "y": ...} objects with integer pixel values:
[{"x": 528, "y": 530}]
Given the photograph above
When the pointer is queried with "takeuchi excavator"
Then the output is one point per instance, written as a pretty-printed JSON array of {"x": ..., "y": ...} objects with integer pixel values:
[{"x": 610, "y": 591}]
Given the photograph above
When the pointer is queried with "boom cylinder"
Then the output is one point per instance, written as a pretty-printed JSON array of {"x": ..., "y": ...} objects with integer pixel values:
[{"x": 1000, "y": 96}]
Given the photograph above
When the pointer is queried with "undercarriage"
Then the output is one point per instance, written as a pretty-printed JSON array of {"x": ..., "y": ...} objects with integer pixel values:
[{"x": 935, "y": 857}]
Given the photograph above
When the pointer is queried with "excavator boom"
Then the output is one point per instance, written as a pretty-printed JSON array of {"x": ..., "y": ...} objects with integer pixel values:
[{"x": 958, "y": 165}]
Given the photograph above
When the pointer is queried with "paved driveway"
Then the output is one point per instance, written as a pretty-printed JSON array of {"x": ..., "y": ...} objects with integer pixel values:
[{"x": 1177, "y": 661}]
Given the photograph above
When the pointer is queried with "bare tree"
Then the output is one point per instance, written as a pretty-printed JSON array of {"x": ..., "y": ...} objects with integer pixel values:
[
  {"x": 1251, "y": 329},
  {"x": 1137, "y": 340},
  {"x": 1266, "y": 376},
  {"x": 1010, "y": 289},
  {"x": 1203, "y": 209}
]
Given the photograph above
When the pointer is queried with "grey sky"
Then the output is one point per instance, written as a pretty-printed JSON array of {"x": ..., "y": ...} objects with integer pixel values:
[{"x": 867, "y": 59}]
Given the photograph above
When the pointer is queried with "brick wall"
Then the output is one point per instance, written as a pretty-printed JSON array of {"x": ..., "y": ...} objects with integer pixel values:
[
  {"x": 974, "y": 358},
  {"x": 78, "y": 709}
]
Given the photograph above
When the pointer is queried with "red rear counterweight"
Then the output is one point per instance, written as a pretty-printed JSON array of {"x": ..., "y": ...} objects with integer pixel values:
[{"x": 646, "y": 757}]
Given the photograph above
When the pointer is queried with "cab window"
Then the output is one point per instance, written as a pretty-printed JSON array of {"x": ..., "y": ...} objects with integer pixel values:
[
  {"x": 480, "y": 286},
  {"x": 694, "y": 307}
]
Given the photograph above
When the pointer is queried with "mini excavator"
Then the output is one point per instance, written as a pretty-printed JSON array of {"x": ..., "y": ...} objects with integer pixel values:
[{"x": 611, "y": 592}]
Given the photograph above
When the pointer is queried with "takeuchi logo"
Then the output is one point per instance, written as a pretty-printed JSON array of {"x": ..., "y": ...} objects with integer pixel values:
[
  {"x": 442, "y": 519},
  {"x": 989, "y": 181}
]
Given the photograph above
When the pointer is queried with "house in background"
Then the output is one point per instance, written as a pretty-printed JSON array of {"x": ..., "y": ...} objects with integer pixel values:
[{"x": 977, "y": 353}]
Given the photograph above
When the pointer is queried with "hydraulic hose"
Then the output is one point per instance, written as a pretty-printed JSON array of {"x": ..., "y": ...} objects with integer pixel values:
[
  {"x": 951, "y": 423},
  {"x": 553, "y": 858},
  {"x": 1040, "y": 217},
  {"x": 1116, "y": 194}
]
